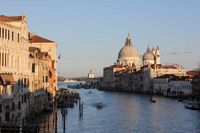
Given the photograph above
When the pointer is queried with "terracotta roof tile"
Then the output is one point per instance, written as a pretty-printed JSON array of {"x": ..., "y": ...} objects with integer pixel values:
[
  {"x": 11, "y": 18},
  {"x": 39, "y": 39}
]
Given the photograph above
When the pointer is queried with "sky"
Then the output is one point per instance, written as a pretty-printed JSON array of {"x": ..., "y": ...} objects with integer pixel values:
[{"x": 90, "y": 33}]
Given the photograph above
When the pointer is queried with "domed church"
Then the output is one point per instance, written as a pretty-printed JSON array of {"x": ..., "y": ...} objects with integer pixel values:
[
  {"x": 151, "y": 56},
  {"x": 128, "y": 55}
]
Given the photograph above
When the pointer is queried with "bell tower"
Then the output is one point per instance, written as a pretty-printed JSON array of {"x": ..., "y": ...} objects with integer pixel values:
[{"x": 157, "y": 55}]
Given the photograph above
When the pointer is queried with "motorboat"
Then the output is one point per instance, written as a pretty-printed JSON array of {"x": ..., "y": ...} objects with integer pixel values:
[
  {"x": 99, "y": 105},
  {"x": 192, "y": 105},
  {"x": 151, "y": 100}
]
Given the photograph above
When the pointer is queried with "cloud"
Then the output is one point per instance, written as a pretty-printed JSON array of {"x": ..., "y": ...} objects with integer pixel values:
[{"x": 177, "y": 53}]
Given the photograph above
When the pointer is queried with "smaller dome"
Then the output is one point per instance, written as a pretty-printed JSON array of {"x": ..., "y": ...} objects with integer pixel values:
[{"x": 148, "y": 56}]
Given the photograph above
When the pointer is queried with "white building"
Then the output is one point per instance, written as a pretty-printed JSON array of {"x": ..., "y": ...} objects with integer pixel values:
[
  {"x": 157, "y": 70},
  {"x": 152, "y": 67},
  {"x": 91, "y": 74},
  {"x": 14, "y": 72},
  {"x": 17, "y": 82},
  {"x": 171, "y": 85}
]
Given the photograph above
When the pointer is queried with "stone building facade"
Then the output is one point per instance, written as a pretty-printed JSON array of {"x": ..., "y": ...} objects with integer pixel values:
[
  {"x": 14, "y": 72},
  {"x": 48, "y": 46},
  {"x": 156, "y": 70},
  {"x": 171, "y": 85},
  {"x": 109, "y": 79},
  {"x": 18, "y": 83}
]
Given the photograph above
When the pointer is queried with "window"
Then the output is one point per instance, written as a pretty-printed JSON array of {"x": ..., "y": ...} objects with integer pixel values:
[
  {"x": 7, "y": 113},
  {"x": 27, "y": 82},
  {"x": 13, "y": 106},
  {"x": 46, "y": 78},
  {"x": 33, "y": 68},
  {"x": 25, "y": 98},
  {"x": 18, "y": 37},
  {"x": 5, "y": 33},
  {"x": 0, "y": 108},
  {"x": 8, "y": 34},
  {"x": 50, "y": 74},
  {"x": 5, "y": 59},
  {"x": 2, "y": 59},
  {"x": 53, "y": 64},
  {"x": 22, "y": 99},
  {"x": 7, "y": 116},
  {"x": 18, "y": 83},
  {"x": 19, "y": 105},
  {"x": 12, "y": 36}
]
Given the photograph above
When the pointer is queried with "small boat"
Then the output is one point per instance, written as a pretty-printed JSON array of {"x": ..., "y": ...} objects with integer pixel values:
[
  {"x": 180, "y": 100},
  {"x": 192, "y": 105},
  {"x": 151, "y": 100},
  {"x": 99, "y": 105}
]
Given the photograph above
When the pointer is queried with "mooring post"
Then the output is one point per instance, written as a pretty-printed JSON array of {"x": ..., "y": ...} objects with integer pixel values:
[{"x": 82, "y": 109}]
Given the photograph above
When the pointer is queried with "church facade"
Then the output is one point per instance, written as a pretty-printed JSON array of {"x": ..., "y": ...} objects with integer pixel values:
[{"x": 133, "y": 73}]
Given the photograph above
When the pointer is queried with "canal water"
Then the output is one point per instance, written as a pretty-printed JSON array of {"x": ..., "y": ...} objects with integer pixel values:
[{"x": 129, "y": 113}]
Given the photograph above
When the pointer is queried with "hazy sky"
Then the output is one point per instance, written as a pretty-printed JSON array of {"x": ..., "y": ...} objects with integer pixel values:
[{"x": 90, "y": 33}]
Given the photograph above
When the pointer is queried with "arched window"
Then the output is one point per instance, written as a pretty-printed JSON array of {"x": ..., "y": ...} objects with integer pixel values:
[
  {"x": 13, "y": 106},
  {"x": 7, "y": 113}
]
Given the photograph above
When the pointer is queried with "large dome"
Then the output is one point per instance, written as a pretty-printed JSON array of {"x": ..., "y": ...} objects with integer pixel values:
[
  {"x": 127, "y": 52},
  {"x": 128, "y": 55}
]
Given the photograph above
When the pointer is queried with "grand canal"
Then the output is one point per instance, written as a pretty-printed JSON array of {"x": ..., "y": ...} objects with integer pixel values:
[{"x": 129, "y": 113}]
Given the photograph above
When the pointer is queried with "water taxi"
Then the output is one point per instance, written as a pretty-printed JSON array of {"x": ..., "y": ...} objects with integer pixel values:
[{"x": 192, "y": 105}]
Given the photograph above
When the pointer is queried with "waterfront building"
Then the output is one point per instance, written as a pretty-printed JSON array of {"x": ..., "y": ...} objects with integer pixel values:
[
  {"x": 156, "y": 70},
  {"x": 26, "y": 73},
  {"x": 136, "y": 81},
  {"x": 14, "y": 71},
  {"x": 128, "y": 55},
  {"x": 123, "y": 79},
  {"x": 48, "y": 46},
  {"x": 39, "y": 74},
  {"x": 109, "y": 79},
  {"x": 131, "y": 76},
  {"x": 92, "y": 81},
  {"x": 91, "y": 74},
  {"x": 196, "y": 86},
  {"x": 171, "y": 85}
]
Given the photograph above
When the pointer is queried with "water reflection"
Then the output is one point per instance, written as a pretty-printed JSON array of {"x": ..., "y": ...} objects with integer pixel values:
[{"x": 128, "y": 113}]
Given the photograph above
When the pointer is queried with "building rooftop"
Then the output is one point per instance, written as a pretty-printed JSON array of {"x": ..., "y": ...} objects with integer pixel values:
[
  {"x": 193, "y": 73},
  {"x": 173, "y": 77},
  {"x": 115, "y": 66},
  {"x": 39, "y": 39},
  {"x": 4, "y": 18}
]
